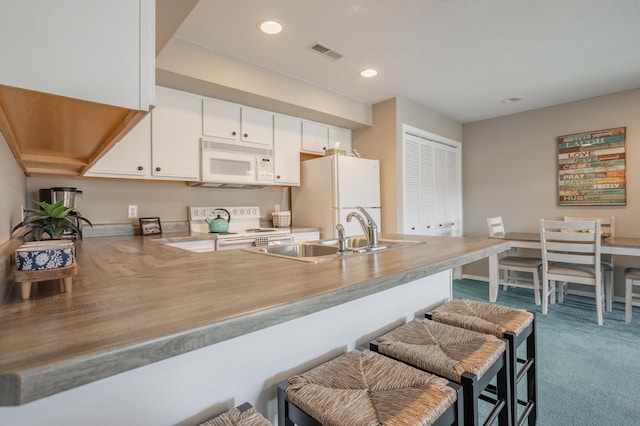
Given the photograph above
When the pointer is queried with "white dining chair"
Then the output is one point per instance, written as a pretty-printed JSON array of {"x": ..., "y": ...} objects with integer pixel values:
[
  {"x": 631, "y": 280},
  {"x": 511, "y": 264},
  {"x": 607, "y": 226},
  {"x": 571, "y": 253}
]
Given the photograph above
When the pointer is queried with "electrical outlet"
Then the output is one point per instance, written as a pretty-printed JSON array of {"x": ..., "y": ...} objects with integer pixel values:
[
  {"x": 276, "y": 208},
  {"x": 133, "y": 212}
]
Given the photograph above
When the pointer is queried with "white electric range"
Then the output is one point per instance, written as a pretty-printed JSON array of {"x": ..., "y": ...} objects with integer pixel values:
[{"x": 244, "y": 227}]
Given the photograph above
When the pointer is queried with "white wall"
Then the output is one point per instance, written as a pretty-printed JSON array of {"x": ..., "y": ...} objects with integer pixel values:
[
  {"x": 510, "y": 167},
  {"x": 383, "y": 141},
  {"x": 106, "y": 201},
  {"x": 12, "y": 190}
]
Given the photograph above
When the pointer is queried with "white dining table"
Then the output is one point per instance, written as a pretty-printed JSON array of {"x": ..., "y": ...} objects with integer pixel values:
[{"x": 626, "y": 246}]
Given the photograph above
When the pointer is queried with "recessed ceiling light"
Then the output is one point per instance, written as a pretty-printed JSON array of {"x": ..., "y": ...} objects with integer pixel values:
[
  {"x": 369, "y": 72},
  {"x": 510, "y": 100},
  {"x": 270, "y": 27}
]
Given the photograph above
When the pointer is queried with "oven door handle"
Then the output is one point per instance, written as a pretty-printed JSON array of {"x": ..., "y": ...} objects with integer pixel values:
[
  {"x": 230, "y": 241},
  {"x": 281, "y": 239}
]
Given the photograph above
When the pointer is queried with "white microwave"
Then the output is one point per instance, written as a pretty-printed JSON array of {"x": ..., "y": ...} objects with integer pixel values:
[{"x": 234, "y": 165}]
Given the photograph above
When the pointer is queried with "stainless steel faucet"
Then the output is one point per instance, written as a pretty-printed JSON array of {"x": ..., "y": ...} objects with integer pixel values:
[
  {"x": 342, "y": 242},
  {"x": 369, "y": 228}
]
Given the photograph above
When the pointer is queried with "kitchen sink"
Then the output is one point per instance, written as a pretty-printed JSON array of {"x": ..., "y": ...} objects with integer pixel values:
[
  {"x": 300, "y": 250},
  {"x": 359, "y": 244},
  {"x": 328, "y": 249}
]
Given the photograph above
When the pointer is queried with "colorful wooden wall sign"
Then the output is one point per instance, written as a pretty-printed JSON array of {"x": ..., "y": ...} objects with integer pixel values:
[{"x": 592, "y": 168}]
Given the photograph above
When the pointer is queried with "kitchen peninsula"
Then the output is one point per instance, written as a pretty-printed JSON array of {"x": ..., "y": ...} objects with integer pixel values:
[{"x": 158, "y": 335}]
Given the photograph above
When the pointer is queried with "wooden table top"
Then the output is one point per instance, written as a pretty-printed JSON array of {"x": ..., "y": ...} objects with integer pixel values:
[
  {"x": 136, "y": 301},
  {"x": 629, "y": 246}
]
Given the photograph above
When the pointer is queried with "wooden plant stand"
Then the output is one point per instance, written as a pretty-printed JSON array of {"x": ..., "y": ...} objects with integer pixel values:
[{"x": 25, "y": 278}]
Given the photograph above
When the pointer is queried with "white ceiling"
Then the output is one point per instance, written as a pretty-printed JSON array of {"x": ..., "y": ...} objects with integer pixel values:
[{"x": 457, "y": 57}]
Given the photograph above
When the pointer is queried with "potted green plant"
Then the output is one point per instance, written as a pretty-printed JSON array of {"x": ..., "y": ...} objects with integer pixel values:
[
  {"x": 47, "y": 226},
  {"x": 51, "y": 221}
]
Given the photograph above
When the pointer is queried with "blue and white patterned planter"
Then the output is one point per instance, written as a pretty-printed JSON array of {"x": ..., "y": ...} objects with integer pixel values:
[{"x": 40, "y": 255}]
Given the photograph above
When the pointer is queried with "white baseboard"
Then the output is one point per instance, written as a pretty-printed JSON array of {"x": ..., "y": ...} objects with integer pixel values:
[
  {"x": 475, "y": 277},
  {"x": 576, "y": 292}
]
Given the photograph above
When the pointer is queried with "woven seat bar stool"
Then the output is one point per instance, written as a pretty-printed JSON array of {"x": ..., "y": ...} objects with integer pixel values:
[
  {"x": 466, "y": 357},
  {"x": 516, "y": 326},
  {"x": 242, "y": 415},
  {"x": 631, "y": 280},
  {"x": 363, "y": 388}
]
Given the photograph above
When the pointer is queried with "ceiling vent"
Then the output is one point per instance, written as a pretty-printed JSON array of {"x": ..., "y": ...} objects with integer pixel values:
[{"x": 325, "y": 51}]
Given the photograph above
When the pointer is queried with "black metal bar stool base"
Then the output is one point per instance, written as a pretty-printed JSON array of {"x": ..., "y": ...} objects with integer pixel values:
[
  {"x": 363, "y": 388},
  {"x": 466, "y": 357},
  {"x": 517, "y": 327}
]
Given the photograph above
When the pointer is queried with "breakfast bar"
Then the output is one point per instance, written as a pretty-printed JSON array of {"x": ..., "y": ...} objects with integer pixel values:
[{"x": 148, "y": 324}]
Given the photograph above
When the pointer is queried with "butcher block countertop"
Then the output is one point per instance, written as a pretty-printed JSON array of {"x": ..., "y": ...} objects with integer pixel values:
[{"x": 136, "y": 301}]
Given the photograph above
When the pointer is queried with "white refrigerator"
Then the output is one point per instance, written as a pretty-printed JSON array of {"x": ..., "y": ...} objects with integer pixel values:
[{"x": 332, "y": 187}]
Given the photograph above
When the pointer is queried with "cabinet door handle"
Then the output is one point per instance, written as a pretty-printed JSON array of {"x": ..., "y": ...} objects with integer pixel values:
[
  {"x": 246, "y": 135},
  {"x": 158, "y": 169},
  {"x": 278, "y": 177},
  {"x": 233, "y": 133},
  {"x": 140, "y": 168}
]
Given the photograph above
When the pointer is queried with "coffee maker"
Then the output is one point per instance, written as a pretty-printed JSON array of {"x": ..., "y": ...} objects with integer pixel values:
[
  {"x": 71, "y": 198},
  {"x": 53, "y": 195}
]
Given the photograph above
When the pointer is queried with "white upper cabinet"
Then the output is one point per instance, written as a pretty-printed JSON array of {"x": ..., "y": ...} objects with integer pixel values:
[
  {"x": 130, "y": 157},
  {"x": 257, "y": 126},
  {"x": 337, "y": 134},
  {"x": 287, "y": 137},
  {"x": 176, "y": 127},
  {"x": 221, "y": 119},
  {"x": 234, "y": 122},
  {"x": 165, "y": 145},
  {"x": 100, "y": 51},
  {"x": 315, "y": 137}
]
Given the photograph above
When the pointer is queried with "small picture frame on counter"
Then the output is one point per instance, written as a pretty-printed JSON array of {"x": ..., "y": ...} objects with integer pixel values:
[{"x": 150, "y": 226}]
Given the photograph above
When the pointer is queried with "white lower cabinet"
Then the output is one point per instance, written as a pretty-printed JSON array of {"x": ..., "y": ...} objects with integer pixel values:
[
  {"x": 301, "y": 237},
  {"x": 176, "y": 128},
  {"x": 286, "y": 150},
  {"x": 130, "y": 157}
]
